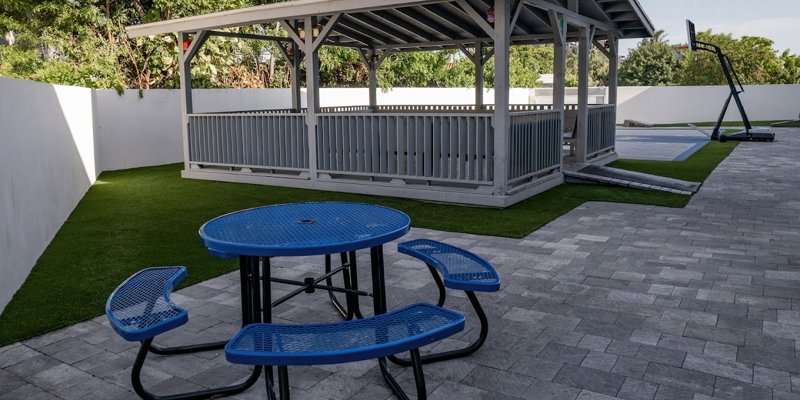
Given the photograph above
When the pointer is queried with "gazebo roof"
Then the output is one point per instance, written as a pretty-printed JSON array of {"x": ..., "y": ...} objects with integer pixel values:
[{"x": 420, "y": 25}]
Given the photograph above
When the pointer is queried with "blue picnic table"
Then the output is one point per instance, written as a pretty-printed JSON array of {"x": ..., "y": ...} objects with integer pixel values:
[{"x": 259, "y": 234}]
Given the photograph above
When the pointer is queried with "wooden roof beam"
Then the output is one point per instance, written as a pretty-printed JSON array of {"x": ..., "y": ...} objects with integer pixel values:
[
  {"x": 453, "y": 22},
  {"x": 428, "y": 23},
  {"x": 369, "y": 30},
  {"x": 573, "y": 17},
  {"x": 399, "y": 24}
]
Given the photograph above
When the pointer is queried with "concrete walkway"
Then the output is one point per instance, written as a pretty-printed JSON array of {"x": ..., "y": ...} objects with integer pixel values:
[{"x": 608, "y": 301}]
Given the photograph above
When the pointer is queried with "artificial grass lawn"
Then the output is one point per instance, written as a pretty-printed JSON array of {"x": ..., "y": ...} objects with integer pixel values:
[{"x": 143, "y": 217}]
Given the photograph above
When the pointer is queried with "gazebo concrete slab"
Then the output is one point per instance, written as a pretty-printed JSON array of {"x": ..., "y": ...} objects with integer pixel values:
[{"x": 658, "y": 144}]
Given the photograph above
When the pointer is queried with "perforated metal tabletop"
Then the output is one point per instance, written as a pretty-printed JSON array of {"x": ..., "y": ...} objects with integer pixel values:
[{"x": 302, "y": 229}]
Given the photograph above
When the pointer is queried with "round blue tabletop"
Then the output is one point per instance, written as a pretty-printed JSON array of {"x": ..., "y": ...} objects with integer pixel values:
[{"x": 303, "y": 229}]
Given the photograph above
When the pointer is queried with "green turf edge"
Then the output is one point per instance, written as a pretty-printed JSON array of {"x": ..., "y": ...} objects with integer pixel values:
[
  {"x": 142, "y": 217},
  {"x": 726, "y": 124}
]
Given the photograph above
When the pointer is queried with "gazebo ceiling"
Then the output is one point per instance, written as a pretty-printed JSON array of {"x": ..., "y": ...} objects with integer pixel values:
[{"x": 423, "y": 25}]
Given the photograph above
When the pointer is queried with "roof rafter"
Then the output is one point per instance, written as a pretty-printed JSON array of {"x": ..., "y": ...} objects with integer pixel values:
[
  {"x": 369, "y": 31},
  {"x": 429, "y": 24},
  {"x": 393, "y": 20}
]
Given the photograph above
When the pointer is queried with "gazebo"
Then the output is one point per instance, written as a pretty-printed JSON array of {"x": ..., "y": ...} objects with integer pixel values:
[{"x": 483, "y": 154}]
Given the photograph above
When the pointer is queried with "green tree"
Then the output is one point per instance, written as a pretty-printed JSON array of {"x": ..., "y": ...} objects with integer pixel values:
[
  {"x": 445, "y": 68},
  {"x": 754, "y": 59},
  {"x": 791, "y": 68},
  {"x": 652, "y": 63},
  {"x": 82, "y": 42}
]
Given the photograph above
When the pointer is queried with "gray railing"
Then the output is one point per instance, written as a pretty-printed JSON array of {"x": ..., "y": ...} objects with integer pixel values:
[
  {"x": 260, "y": 111},
  {"x": 416, "y": 108},
  {"x": 434, "y": 108},
  {"x": 252, "y": 140},
  {"x": 343, "y": 109},
  {"x": 444, "y": 148},
  {"x": 438, "y": 108},
  {"x": 602, "y": 128},
  {"x": 534, "y": 144}
]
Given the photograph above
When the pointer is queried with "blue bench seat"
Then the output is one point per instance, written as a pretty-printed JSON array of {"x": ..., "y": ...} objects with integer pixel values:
[
  {"x": 460, "y": 270},
  {"x": 140, "y": 308},
  {"x": 401, "y": 330}
]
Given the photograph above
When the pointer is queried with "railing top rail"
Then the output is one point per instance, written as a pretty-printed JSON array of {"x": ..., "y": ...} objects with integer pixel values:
[
  {"x": 260, "y": 111},
  {"x": 533, "y": 112},
  {"x": 437, "y": 113},
  {"x": 591, "y": 106},
  {"x": 261, "y": 114}
]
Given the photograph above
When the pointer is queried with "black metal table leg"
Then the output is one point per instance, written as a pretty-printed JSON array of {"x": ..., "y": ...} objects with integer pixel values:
[
  {"x": 353, "y": 305},
  {"x": 379, "y": 307},
  {"x": 329, "y": 281},
  {"x": 351, "y": 309},
  {"x": 266, "y": 308}
]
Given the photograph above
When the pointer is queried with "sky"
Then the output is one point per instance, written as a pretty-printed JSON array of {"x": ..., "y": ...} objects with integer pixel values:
[{"x": 778, "y": 20}]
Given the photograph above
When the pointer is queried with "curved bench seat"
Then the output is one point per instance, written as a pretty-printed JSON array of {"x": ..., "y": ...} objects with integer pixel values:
[
  {"x": 140, "y": 308},
  {"x": 460, "y": 269},
  {"x": 397, "y": 331},
  {"x": 404, "y": 329}
]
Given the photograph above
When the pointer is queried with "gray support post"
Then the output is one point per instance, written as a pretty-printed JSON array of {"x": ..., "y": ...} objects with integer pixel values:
[
  {"x": 584, "y": 47},
  {"x": 559, "y": 24},
  {"x": 372, "y": 67},
  {"x": 296, "y": 92},
  {"x": 185, "y": 72},
  {"x": 185, "y": 75},
  {"x": 312, "y": 95},
  {"x": 478, "y": 61},
  {"x": 501, "y": 120},
  {"x": 613, "y": 66}
]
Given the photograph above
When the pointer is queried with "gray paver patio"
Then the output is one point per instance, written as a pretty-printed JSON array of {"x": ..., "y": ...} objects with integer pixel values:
[{"x": 608, "y": 301}]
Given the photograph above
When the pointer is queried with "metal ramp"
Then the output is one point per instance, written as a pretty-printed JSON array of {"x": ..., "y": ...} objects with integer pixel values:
[{"x": 638, "y": 180}]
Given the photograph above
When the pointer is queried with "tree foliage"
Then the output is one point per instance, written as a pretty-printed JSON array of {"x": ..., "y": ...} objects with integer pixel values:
[
  {"x": 82, "y": 42},
  {"x": 653, "y": 62},
  {"x": 755, "y": 61}
]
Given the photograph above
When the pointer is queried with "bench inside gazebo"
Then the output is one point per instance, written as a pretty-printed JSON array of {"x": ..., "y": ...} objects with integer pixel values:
[{"x": 483, "y": 154}]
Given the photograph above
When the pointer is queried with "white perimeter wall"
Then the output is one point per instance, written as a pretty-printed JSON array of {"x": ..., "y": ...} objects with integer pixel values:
[
  {"x": 47, "y": 162},
  {"x": 668, "y": 104},
  {"x": 55, "y": 140}
]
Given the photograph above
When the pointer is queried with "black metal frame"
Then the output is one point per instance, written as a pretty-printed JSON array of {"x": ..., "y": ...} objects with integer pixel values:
[
  {"x": 252, "y": 308},
  {"x": 257, "y": 307},
  {"x": 416, "y": 363},
  {"x": 730, "y": 73},
  {"x": 350, "y": 289},
  {"x": 352, "y": 310},
  {"x": 138, "y": 387},
  {"x": 458, "y": 353}
]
